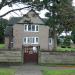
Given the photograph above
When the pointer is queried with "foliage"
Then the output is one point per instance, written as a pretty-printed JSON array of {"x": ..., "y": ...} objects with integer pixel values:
[
  {"x": 58, "y": 72},
  {"x": 61, "y": 17},
  {"x": 73, "y": 34},
  {"x": 3, "y": 24},
  {"x": 67, "y": 41}
]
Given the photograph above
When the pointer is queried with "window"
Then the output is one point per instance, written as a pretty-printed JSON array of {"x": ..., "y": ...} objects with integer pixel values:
[
  {"x": 30, "y": 40},
  {"x": 24, "y": 39},
  {"x": 50, "y": 41},
  {"x": 25, "y": 27},
  {"x": 31, "y": 28},
  {"x": 33, "y": 40},
  {"x": 37, "y": 40},
  {"x": 36, "y": 27}
]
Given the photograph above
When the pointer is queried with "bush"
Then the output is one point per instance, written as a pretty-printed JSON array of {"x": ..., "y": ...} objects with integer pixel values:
[
  {"x": 69, "y": 46},
  {"x": 63, "y": 46},
  {"x": 67, "y": 41}
]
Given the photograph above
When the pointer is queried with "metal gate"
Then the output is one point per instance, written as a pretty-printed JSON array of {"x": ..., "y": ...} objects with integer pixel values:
[{"x": 30, "y": 54}]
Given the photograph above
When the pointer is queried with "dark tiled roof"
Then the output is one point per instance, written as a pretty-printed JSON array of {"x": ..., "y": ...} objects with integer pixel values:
[
  {"x": 44, "y": 19},
  {"x": 8, "y": 31},
  {"x": 14, "y": 20}
]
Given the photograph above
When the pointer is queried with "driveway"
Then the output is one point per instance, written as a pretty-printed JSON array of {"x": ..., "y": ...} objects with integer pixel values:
[{"x": 33, "y": 69}]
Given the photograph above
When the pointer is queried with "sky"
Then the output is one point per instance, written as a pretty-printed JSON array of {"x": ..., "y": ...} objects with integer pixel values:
[
  {"x": 19, "y": 13},
  {"x": 24, "y": 11},
  {"x": 73, "y": 2}
]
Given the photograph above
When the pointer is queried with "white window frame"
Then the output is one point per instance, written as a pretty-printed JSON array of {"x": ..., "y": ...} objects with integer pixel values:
[
  {"x": 50, "y": 41},
  {"x": 31, "y": 28},
  {"x": 32, "y": 38}
]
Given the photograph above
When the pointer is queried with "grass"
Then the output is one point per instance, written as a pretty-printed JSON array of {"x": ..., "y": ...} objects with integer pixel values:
[
  {"x": 2, "y": 45},
  {"x": 58, "y": 65},
  {"x": 65, "y": 49},
  {"x": 58, "y": 72},
  {"x": 4, "y": 71}
]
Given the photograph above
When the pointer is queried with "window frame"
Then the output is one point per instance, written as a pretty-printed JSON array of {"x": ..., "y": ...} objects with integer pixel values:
[
  {"x": 32, "y": 40},
  {"x": 50, "y": 41},
  {"x": 26, "y": 29}
]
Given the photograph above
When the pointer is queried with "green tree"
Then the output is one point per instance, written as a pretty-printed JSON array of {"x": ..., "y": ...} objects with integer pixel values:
[
  {"x": 61, "y": 17},
  {"x": 73, "y": 34},
  {"x": 3, "y": 24}
]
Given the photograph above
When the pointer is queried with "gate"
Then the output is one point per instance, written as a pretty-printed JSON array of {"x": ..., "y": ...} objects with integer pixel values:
[{"x": 31, "y": 54}]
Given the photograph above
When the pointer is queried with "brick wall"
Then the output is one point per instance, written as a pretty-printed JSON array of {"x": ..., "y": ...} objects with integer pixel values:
[{"x": 56, "y": 57}]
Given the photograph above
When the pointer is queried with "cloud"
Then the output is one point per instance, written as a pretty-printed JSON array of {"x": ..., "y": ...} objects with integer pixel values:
[
  {"x": 73, "y": 2},
  {"x": 15, "y": 13},
  {"x": 20, "y": 13}
]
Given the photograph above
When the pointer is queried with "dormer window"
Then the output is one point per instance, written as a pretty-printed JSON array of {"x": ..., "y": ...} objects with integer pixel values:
[{"x": 31, "y": 28}]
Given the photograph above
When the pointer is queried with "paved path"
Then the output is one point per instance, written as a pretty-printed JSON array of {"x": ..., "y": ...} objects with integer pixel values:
[
  {"x": 32, "y": 69},
  {"x": 27, "y": 69}
]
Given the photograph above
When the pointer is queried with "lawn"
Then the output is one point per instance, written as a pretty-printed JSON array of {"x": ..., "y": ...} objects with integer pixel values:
[
  {"x": 65, "y": 49},
  {"x": 58, "y": 72},
  {"x": 2, "y": 45},
  {"x": 4, "y": 71}
]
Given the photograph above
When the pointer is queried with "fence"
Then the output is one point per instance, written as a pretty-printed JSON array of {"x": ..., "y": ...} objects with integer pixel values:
[{"x": 56, "y": 57}]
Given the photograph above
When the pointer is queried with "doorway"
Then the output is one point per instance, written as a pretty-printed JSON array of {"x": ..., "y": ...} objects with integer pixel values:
[{"x": 31, "y": 54}]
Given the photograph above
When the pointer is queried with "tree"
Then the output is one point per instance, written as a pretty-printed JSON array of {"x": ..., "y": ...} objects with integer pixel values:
[
  {"x": 61, "y": 17},
  {"x": 73, "y": 34},
  {"x": 3, "y": 24}
]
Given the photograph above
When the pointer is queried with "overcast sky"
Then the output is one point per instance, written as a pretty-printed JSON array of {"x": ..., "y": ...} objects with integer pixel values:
[
  {"x": 19, "y": 13},
  {"x": 24, "y": 11}
]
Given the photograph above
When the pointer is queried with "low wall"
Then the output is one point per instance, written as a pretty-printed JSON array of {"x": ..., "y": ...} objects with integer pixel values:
[
  {"x": 56, "y": 57},
  {"x": 13, "y": 55}
]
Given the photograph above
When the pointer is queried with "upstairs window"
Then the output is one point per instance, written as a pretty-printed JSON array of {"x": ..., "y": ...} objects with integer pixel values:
[
  {"x": 25, "y": 27},
  {"x": 31, "y": 28}
]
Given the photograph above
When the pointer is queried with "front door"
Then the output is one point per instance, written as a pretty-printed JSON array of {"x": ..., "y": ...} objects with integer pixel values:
[{"x": 30, "y": 54}]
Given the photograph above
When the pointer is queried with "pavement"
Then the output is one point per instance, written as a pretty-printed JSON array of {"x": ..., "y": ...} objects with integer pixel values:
[
  {"x": 34, "y": 69},
  {"x": 27, "y": 69}
]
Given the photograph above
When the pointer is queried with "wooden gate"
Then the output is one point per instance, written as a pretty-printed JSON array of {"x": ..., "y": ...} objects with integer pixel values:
[{"x": 30, "y": 55}]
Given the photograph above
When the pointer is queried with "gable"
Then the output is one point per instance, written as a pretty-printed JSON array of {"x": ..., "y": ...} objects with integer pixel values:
[{"x": 31, "y": 17}]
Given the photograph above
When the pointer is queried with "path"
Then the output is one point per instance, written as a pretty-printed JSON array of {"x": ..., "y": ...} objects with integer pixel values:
[
  {"x": 32, "y": 69},
  {"x": 28, "y": 69}
]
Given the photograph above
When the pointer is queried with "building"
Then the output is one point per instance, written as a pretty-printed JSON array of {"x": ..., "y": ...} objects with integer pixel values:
[{"x": 28, "y": 32}]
